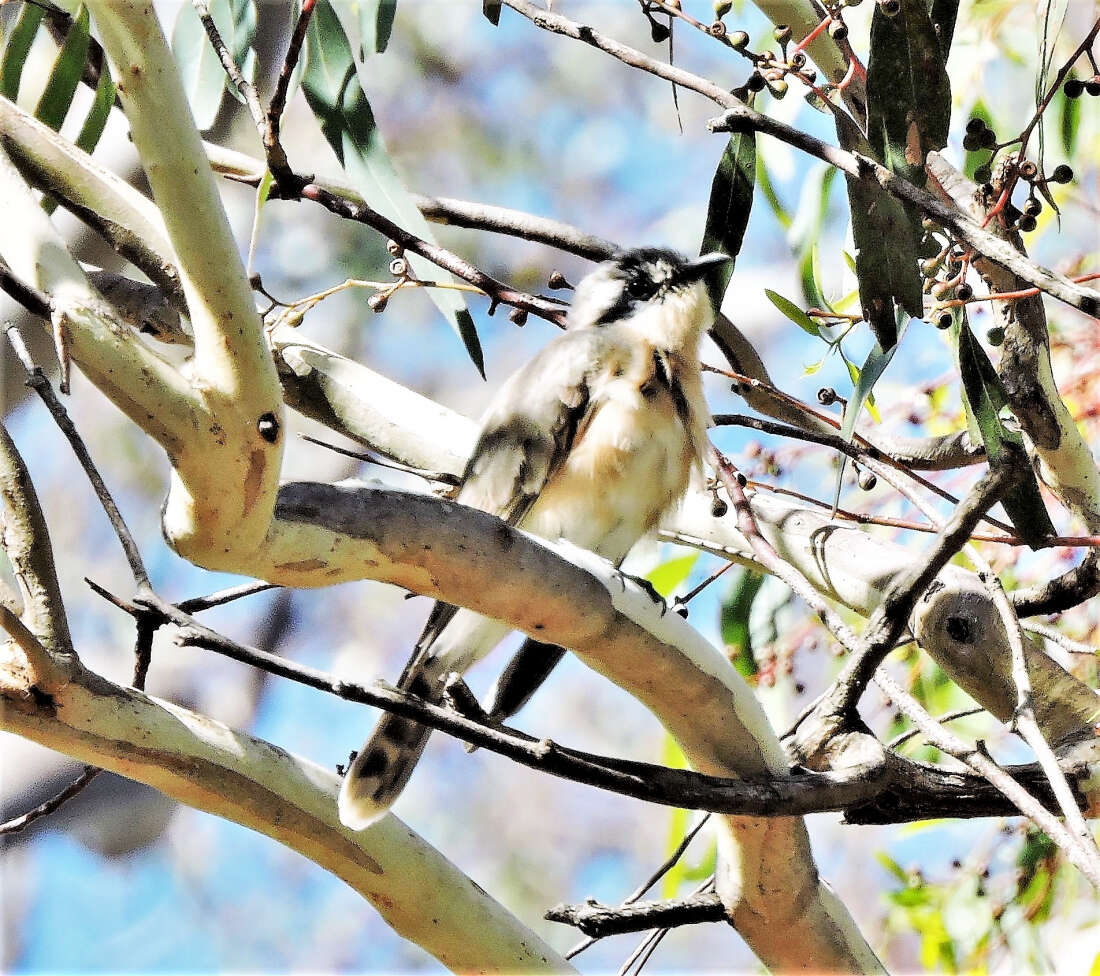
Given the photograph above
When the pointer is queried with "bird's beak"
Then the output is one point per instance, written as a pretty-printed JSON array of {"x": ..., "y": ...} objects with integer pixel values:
[{"x": 701, "y": 266}]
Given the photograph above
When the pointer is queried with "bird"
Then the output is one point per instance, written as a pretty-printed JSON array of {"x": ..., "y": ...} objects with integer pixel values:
[{"x": 593, "y": 441}]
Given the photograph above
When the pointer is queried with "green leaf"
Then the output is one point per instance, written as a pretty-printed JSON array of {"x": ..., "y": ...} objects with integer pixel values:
[
  {"x": 767, "y": 188},
  {"x": 669, "y": 575},
  {"x": 865, "y": 379},
  {"x": 908, "y": 90},
  {"x": 734, "y": 621},
  {"x": 793, "y": 312},
  {"x": 1069, "y": 122},
  {"x": 17, "y": 49},
  {"x": 332, "y": 89},
  {"x": 806, "y": 227},
  {"x": 491, "y": 9},
  {"x": 200, "y": 70},
  {"x": 375, "y": 25},
  {"x": 886, "y": 248},
  {"x": 899, "y": 873},
  {"x": 729, "y": 206},
  {"x": 984, "y": 399},
  {"x": 65, "y": 74},
  {"x": 96, "y": 120}
]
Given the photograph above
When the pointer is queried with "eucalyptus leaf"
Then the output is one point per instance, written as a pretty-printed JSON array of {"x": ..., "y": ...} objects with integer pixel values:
[
  {"x": 375, "y": 25},
  {"x": 728, "y": 209},
  {"x": 886, "y": 248},
  {"x": 793, "y": 312},
  {"x": 332, "y": 89},
  {"x": 767, "y": 188},
  {"x": 984, "y": 400},
  {"x": 18, "y": 47},
  {"x": 200, "y": 70},
  {"x": 734, "y": 620},
  {"x": 491, "y": 10},
  {"x": 57, "y": 96},
  {"x": 96, "y": 120},
  {"x": 908, "y": 90}
]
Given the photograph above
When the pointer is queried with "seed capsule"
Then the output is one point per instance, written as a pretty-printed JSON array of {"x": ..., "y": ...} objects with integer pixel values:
[
  {"x": 399, "y": 267},
  {"x": 838, "y": 30},
  {"x": 1033, "y": 207},
  {"x": 722, "y": 7},
  {"x": 1092, "y": 86},
  {"x": 944, "y": 320},
  {"x": 1026, "y": 223},
  {"x": 1061, "y": 174},
  {"x": 739, "y": 40},
  {"x": 890, "y": 7},
  {"x": 996, "y": 336},
  {"x": 395, "y": 249},
  {"x": 972, "y": 141},
  {"x": 983, "y": 174},
  {"x": 987, "y": 139},
  {"x": 518, "y": 317},
  {"x": 377, "y": 303},
  {"x": 717, "y": 29},
  {"x": 1073, "y": 88},
  {"x": 974, "y": 126},
  {"x": 1028, "y": 170},
  {"x": 755, "y": 82},
  {"x": 782, "y": 33},
  {"x": 867, "y": 480},
  {"x": 964, "y": 292}
]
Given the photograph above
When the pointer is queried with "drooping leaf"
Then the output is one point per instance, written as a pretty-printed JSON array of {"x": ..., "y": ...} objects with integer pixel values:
[
  {"x": 984, "y": 400},
  {"x": 793, "y": 312},
  {"x": 1069, "y": 122},
  {"x": 908, "y": 90},
  {"x": 57, "y": 96},
  {"x": 728, "y": 209},
  {"x": 18, "y": 47},
  {"x": 805, "y": 230},
  {"x": 491, "y": 9},
  {"x": 767, "y": 189},
  {"x": 96, "y": 120},
  {"x": 886, "y": 248},
  {"x": 200, "y": 70},
  {"x": 332, "y": 89},
  {"x": 375, "y": 25},
  {"x": 865, "y": 379},
  {"x": 734, "y": 620}
]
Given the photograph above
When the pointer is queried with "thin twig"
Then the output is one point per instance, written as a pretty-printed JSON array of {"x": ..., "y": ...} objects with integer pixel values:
[
  {"x": 1027, "y": 725},
  {"x": 978, "y": 759},
  {"x": 36, "y": 379},
  {"x": 954, "y": 716}
]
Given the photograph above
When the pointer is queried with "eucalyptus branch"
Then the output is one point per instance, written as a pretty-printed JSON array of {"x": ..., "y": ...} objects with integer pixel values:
[
  {"x": 741, "y": 118},
  {"x": 599, "y": 921}
]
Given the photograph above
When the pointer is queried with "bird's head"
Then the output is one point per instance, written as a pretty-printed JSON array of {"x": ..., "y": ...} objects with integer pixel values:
[{"x": 658, "y": 293}]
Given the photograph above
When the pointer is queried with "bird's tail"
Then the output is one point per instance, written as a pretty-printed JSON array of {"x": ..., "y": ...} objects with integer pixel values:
[{"x": 380, "y": 771}]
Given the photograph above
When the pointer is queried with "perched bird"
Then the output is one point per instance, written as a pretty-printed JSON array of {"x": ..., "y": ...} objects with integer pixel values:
[{"x": 592, "y": 441}]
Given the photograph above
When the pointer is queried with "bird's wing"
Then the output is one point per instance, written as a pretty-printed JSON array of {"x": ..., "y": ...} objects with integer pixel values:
[{"x": 527, "y": 431}]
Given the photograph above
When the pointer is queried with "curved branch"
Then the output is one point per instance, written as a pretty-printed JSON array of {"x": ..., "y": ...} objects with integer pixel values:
[{"x": 208, "y": 766}]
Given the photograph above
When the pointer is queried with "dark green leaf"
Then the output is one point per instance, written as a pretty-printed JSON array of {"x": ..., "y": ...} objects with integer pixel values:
[
  {"x": 337, "y": 99},
  {"x": 734, "y": 621},
  {"x": 793, "y": 312},
  {"x": 886, "y": 248},
  {"x": 908, "y": 90},
  {"x": 100, "y": 111},
  {"x": 17, "y": 48},
  {"x": 729, "y": 207},
  {"x": 375, "y": 25},
  {"x": 984, "y": 399},
  {"x": 491, "y": 9},
  {"x": 65, "y": 75}
]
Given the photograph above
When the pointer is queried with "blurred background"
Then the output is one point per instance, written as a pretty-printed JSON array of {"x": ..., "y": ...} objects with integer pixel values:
[{"x": 123, "y": 880}]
